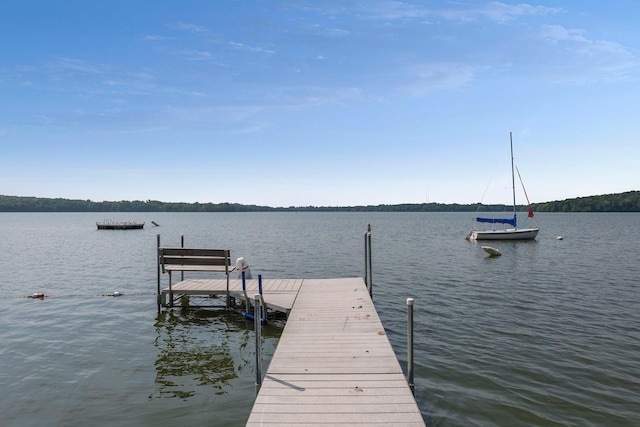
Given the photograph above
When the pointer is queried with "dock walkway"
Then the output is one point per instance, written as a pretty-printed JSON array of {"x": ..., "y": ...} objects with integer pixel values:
[{"x": 334, "y": 364}]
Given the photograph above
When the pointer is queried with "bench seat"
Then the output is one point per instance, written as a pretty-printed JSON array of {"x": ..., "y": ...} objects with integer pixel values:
[
  {"x": 219, "y": 268},
  {"x": 197, "y": 260}
]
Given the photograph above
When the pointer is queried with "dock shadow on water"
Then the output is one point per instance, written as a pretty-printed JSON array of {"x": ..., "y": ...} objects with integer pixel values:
[{"x": 204, "y": 351}]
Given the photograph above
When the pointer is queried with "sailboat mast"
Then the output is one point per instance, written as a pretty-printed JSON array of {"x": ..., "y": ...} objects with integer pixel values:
[{"x": 513, "y": 179}]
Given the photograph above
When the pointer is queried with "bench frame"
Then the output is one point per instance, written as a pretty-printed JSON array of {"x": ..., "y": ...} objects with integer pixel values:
[{"x": 194, "y": 259}]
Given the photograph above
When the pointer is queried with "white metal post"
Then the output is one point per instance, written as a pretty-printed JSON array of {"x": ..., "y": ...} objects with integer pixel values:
[{"x": 410, "y": 344}]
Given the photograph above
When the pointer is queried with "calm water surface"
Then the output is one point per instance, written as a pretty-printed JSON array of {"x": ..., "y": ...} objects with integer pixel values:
[{"x": 548, "y": 334}]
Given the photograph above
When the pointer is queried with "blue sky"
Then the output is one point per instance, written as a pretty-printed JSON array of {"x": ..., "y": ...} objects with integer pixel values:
[{"x": 323, "y": 103}]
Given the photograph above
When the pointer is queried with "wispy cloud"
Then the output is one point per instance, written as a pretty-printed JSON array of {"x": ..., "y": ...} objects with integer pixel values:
[
  {"x": 224, "y": 119},
  {"x": 76, "y": 66},
  {"x": 428, "y": 78},
  {"x": 393, "y": 10},
  {"x": 97, "y": 93},
  {"x": 191, "y": 28},
  {"x": 191, "y": 54},
  {"x": 244, "y": 47},
  {"x": 306, "y": 97},
  {"x": 329, "y": 31},
  {"x": 75, "y": 72},
  {"x": 459, "y": 11},
  {"x": 255, "y": 114},
  {"x": 153, "y": 37},
  {"x": 583, "y": 60},
  {"x": 557, "y": 33},
  {"x": 496, "y": 11},
  {"x": 208, "y": 37}
]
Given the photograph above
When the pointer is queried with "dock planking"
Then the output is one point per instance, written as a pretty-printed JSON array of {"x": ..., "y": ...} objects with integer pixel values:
[
  {"x": 334, "y": 364},
  {"x": 279, "y": 294}
]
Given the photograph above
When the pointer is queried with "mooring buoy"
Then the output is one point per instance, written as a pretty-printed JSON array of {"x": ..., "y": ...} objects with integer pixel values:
[{"x": 491, "y": 251}]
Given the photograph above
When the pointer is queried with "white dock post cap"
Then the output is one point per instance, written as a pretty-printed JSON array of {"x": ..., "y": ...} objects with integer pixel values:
[
  {"x": 409, "y": 301},
  {"x": 256, "y": 297}
]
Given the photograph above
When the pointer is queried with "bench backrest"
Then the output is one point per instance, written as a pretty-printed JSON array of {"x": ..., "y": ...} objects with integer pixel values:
[{"x": 191, "y": 256}]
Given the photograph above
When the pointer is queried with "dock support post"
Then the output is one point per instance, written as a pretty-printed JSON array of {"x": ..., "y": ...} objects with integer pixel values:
[
  {"x": 368, "y": 273},
  {"x": 158, "y": 268},
  {"x": 410, "y": 344},
  {"x": 258, "y": 328},
  {"x": 182, "y": 246},
  {"x": 366, "y": 256},
  {"x": 264, "y": 304}
]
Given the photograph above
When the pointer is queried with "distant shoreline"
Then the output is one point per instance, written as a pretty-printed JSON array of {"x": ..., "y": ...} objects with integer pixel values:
[{"x": 620, "y": 202}]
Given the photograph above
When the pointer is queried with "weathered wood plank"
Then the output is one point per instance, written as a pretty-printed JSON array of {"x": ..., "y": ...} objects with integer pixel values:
[
  {"x": 333, "y": 397},
  {"x": 259, "y": 418},
  {"x": 371, "y": 378},
  {"x": 190, "y": 264},
  {"x": 195, "y": 252},
  {"x": 384, "y": 408}
]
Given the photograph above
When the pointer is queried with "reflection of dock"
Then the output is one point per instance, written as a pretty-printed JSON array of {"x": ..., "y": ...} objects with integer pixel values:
[
  {"x": 333, "y": 364},
  {"x": 191, "y": 357}
]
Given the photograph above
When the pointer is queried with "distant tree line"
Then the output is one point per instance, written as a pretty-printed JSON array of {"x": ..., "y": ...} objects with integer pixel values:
[
  {"x": 41, "y": 204},
  {"x": 622, "y": 202}
]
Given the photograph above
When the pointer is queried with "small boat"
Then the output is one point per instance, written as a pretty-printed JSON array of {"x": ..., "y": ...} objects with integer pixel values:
[
  {"x": 514, "y": 233},
  {"x": 119, "y": 225}
]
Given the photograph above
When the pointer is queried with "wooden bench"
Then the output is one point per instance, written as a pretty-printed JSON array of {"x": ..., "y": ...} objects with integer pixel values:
[{"x": 190, "y": 259}]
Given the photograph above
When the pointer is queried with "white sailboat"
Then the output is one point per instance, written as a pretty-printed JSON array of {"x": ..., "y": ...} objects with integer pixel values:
[{"x": 514, "y": 233}]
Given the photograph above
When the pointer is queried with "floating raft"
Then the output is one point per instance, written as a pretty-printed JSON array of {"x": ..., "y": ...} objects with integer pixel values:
[{"x": 119, "y": 225}]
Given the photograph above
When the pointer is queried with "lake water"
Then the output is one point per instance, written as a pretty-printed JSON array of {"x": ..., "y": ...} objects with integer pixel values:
[{"x": 548, "y": 334}]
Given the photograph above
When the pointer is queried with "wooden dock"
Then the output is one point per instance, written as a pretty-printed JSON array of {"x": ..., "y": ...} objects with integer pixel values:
[{"x": 334, "y": 364}]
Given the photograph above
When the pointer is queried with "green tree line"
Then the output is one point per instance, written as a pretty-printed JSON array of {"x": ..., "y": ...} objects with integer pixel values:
[{"x": 622, "y": 202}]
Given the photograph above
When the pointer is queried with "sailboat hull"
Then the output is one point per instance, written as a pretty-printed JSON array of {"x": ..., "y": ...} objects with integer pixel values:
[{"x": 507, "y": 234}]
